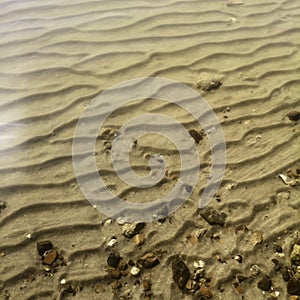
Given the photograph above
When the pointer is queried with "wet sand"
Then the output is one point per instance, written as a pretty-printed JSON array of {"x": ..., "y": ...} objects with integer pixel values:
[{"x": 56, "y": 57}]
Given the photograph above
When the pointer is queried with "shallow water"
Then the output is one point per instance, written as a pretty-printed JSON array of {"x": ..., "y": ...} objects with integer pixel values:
[{"x": 56, "y": 56}]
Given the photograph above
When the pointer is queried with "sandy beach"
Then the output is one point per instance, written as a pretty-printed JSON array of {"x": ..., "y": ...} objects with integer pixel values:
[{"x": 243, "y": 57}]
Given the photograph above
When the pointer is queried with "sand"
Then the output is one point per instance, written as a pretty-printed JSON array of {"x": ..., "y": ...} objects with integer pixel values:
[{"x": 56, "y": 56}]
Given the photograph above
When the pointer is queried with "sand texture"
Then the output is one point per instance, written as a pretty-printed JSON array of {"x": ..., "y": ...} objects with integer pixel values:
[{"x": 56, "y": 56}]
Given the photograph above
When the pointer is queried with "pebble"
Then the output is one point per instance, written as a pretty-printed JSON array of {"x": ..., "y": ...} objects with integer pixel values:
[
  {"x": 112, "y": 242},
  {"x": 181, "y": 273},
  {"x": 293, "y": 287},
  {"x": 199, "y": 265},
  {"x": 50, "y": 257},
  {"x": 43, "y": 246},
  {"x": 2, "y": 205},
  {"x": 149, "y": 260},
  {"x": 207, "y": 83},
  {"x": 113, "y": 260},
  {"x": 294, "y": 115},
  {"x": 196, "y": 135},
  {"x": 238, "y": 258},
  {"x": 130, "y": 230},
  {"x": 135, "y": 271},
  {"x": 205, "y": 292},
  {"x": 295, "y": 255},
  {"x": 63, "y": 281},
  {"x": 114, "y": 273},
  {"x": 294, "y": 297},
  {"x": 146, "y": 285},
  {"x": 255, "y": 270},
  {"x": 265, "y": 284},
  {"x": 257, "y": 237},
  {"x": 139, "y": 239},
  {"x": 213, "y": 217}
]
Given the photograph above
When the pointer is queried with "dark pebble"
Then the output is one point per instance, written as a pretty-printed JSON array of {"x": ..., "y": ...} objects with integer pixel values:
[
  {"x": 265, "y": 284},
  {"x": 196, "y": 135},
  {"x": 113, "y": 260},
  {"x": 214, "y": 218},
  {"x": 278, "y": 249},
  {"x": 181, "y": 273},
  {"x": 50, "y": 257},
  {"x": 285, "y": 274},
  {"x": 43, "y": 246},
  {"x": 294, "y": 115},
  {"x": 293, "y": 287}
]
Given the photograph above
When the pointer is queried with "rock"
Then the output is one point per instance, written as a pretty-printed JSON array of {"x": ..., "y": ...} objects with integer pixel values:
[
  {"x": 241, "y": 227},
  {"x": 50, "y": 257},
  {"x": 207, "y": 83},
  {"x": 293, "y": 287},
  {"x": 146, "y": 285},
  {"x": 112, "y": 242},
  {"x": 113, "y": 260},
  {"x": 2, "y": 205},
  {"x": 294, "y": 297},
  {"x": 114, "y": 273},
  {"x": 130, "y": 230},
  {"x": 238, "y": 258},
  {"x": 122, "y": 265},
  {"x": 181, "y": 273},
  {"x": 213, "y": 217},
  {"x": 278, "y": 249},
  {"x": 257, "y": 237},
  {"x": 255, "y": 270},
  {"x": 285, "y": 273},
  {"x": 205, "y": 292},
  {"x": 199, "y": 265},
  {"x": 149, "y": 260},
  {"x": 265, "y": 284},
  {"x": 43, "y": 246},
  {"x": 135, "y": 271},
  {"x": 139, "y": 239},
  {"x": 294, "y": 115},
  {"x": 295, "y": 255},
  {"x": 196, "y": 135}
]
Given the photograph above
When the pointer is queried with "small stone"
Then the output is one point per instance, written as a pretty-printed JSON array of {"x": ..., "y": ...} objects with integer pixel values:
[
  {"x": 295, "y": 255},
  {"x": 189, "y": 285},
  {"x": 122, "y": 265},
  {"x": 63, "y": 281},
  {"x": 135, "y": 271},
  {"x": 196, "y": 135},
  {"x": 293, "y": 287},
  {"x": 285, "y": 273},
  {"x": 255, "y": 270},
  {"x": 28, "y": 236},
  {"x": 113, "y": 260},
  {"x": 149, "y": 260},
  {"x": 43, "y": 246},
  {"x": 114, "y": 273},
  {"x": 199, "y": 265},
  {"x": 213, "y": 217},
  {"x": 294, "y": 297},
  {"x": 207, "y": 83},
  {"x": 130, "y": 230},
  {"x": 146, "y": 285},
  {"x": 139, "y": 239},
  {"x": 265, "y": 284},
  {"x": 2, "y": 205},
  {"x": 238, "y": 258},
  {"x": 205, "y": 292},
  {"x": 181, "y": 273},
  {"x": 257, "y": 237},
  {"x": 50, "y": 257},
  {"x": 115, "y": 285},
  {"x": 112, "y": 242},
  {"x": 278, "y": 249},
  {"x": 294, "y": 115},
  {"x": 241, "y": 227}
]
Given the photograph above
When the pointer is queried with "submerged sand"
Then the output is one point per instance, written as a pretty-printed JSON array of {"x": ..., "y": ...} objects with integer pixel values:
[{"x": 56, "y": 56}]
